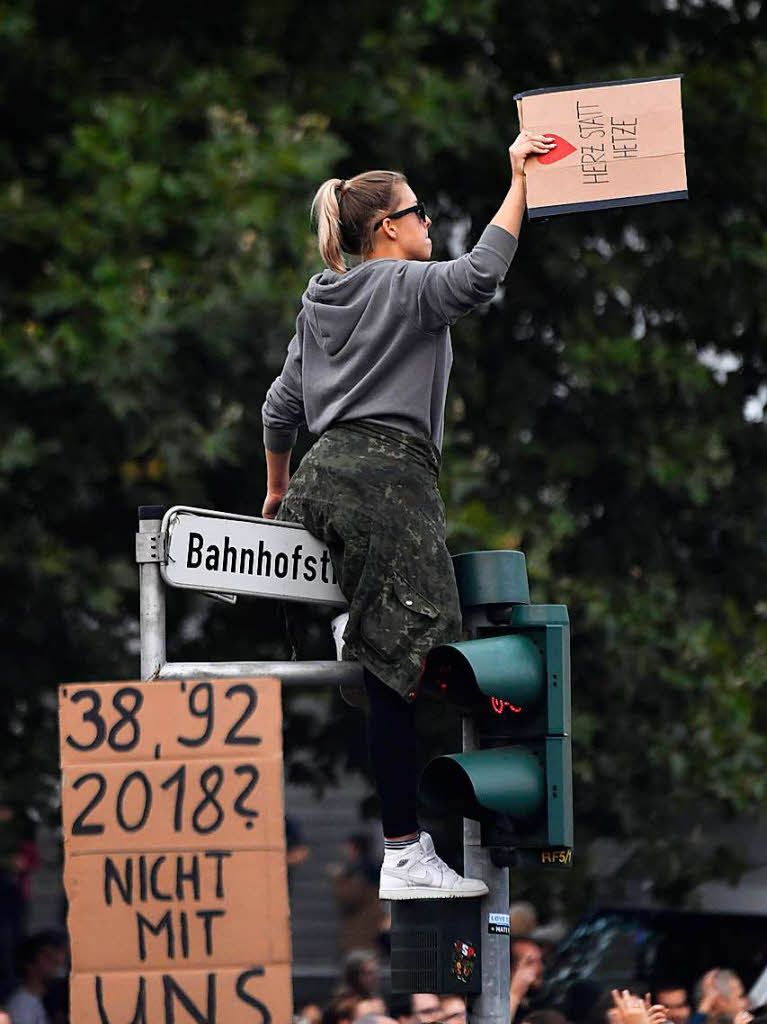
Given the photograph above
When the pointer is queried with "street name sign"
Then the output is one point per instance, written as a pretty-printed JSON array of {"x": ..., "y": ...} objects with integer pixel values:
[{"x": 232, "y": 554}]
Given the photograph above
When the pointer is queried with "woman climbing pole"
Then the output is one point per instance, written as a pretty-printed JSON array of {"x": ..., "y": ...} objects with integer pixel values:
[{"x": 367, "y": 371}]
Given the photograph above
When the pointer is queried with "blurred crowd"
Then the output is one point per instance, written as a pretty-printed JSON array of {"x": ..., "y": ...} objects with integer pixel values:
[
  {"x": 717, "y": 998},
  {"x": 40, "y": 992},
  {"x": 34, "y": 983},
  {"x": 360, "y": 995}
]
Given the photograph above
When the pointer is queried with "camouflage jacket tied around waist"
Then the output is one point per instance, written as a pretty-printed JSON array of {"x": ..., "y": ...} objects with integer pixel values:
[{"x": 370, "y": 493}]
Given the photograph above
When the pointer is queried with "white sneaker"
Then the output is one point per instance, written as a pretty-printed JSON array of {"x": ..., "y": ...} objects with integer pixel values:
[
  {"x": 415, "y": 872},
  {"x": 338, "y": 625}
]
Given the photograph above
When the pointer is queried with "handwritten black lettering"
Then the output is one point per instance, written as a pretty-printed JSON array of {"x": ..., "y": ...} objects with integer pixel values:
[
  {"x": 200, "y": 709},
  {"x": 164, "y": 924},
  {"x": 79, "y": 828},
  {"x": 192, "y": 875},
  {"x": 211, "y": 782},
  {"x": 173, "y": 991},
  {"x": 184, "y": 928},
  {"x": 207, "y": 917},
  {"x": 157, "y": 893},
  {"x": 177, "y": 779},
  {"x": 122, "y": 793},
  {"x": 247, "y": 998},
  {"x": 139, "y": 1017},
  {"x": 219, "y": 856},
  {"x": 124, "y": 884},
  {"x": 233, "y": 737},
  {"x": 127, "y": 719},
  {"x": 93, "y": 717}
]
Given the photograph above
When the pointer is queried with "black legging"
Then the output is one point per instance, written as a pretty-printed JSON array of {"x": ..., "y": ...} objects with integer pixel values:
[{"x": 392, "y": 740}]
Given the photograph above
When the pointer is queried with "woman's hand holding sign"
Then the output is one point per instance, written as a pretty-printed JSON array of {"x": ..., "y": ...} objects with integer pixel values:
[
  {"x": 528, "y": 144},
  {"x": 509, "y": 215}
]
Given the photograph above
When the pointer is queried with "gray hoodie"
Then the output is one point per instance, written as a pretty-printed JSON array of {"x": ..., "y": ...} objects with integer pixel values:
[{"x": 374, "y": 343}]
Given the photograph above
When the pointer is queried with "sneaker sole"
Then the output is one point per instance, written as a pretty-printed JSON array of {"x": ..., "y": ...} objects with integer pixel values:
[{"x": 424, "y": 892}]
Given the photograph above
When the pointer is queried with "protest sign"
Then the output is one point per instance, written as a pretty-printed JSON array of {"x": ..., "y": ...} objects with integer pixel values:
[
  {"x": 175, "y": 851},
  {"x": 618, "y": 144}
]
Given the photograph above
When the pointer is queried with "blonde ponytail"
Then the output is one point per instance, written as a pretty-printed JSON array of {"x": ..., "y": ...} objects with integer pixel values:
[
  {"x": 326, "y": 212},
  {"x": 345, "y": 212}
]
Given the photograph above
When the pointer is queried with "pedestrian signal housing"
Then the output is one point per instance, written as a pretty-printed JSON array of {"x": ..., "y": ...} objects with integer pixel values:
[{"x": 512, "y": 681}]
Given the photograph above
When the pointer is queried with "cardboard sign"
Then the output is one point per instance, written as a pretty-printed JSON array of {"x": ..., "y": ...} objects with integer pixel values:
[
  {"x": 618, "y": 144},
  {"x": 226, "y": 553},
  {"x": 175, "y": 850},
  {"x": 195, "y": 909},
  {"x": 248, "y": 995}
]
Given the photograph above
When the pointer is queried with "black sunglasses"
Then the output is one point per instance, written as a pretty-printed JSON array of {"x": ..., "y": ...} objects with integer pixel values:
[{"x": 419, "y": 208}]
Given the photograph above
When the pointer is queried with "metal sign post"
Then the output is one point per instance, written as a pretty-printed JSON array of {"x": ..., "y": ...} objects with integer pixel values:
[
  {"x": 491, "y": 1006},
  {"x": 151, "y": 591}
]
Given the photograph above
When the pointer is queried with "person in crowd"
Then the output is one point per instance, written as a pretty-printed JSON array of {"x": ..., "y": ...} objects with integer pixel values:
[
  {"x": 355, "y": 882},
  {"x": 545, "y": 1017},
  {"x": 11, "y": 899},
  {"x": 673, "y": 997},
  {"x": 57, "y": 1000},
  {"x": 41, "y": 958},
  {"x": 630, "y": 1008},
  {"x": 310, "y": 1013},
  {"x": 340, "y": 1011},
  {"x": 622, "y": 1007},
  {"x": 375, "y": 1018},
  {"x": 418, "y": 1008},
  {"x": 526, "y": 977},
  {"x": 719, "y": 994},
  {"x": 452, "y": 1010},
  {"x": 367, "y": 371},
  {"x": 523, "y": 918},
  {"x": 580, "y": 998},
  {"x": 366, "y": 1007},
  {"x": 360, "y": 976}
]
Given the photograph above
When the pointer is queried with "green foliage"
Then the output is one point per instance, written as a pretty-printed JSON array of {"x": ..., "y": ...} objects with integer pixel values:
[{"x": 157, "y": 173}]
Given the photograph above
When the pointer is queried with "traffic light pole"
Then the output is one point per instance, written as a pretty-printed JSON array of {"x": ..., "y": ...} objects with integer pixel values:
[{"x": 492, "y": 1005}]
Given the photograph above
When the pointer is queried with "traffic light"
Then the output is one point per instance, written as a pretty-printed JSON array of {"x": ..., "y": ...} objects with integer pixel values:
[{"x": 511, "y": 681}]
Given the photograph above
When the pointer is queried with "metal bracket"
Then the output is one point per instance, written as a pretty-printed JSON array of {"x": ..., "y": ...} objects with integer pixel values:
[
  {"x": 226, "y": 598},
  {"x": 150, "y": 547}
]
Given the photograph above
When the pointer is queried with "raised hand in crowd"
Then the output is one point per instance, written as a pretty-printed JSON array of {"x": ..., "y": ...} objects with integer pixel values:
[
  {"x": 743, "y": 1017},
  {"x": 710, "y": 995},
  {"x": 524, "y": 976},
  {"x": 720, "y": 993},
  {"x": 656, "y": 1013},
  {"x": 632, "y": 1009}
]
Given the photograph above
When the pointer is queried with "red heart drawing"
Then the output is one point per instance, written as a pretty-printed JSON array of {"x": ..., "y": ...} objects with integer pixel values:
[{"x": 563, "y": 148}]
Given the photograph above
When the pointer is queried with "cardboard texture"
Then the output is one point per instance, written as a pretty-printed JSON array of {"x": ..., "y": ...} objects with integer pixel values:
[
  {"x": 175, "y": 849},
  {"x": 618, "y": 144},
  {"x": 174, "y": 805},
  {"x": 237, "y": 996},
  {"x": 173, "y": 715},
  {"x": 183, "y": 909}
]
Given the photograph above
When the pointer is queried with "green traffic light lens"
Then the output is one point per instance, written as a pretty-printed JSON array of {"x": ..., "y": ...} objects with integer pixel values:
[
  {"x": 508, "y": 668},
  {"x": 508, "y": 780}
]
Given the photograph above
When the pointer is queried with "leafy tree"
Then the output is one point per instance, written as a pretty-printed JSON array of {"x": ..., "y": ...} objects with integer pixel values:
[{"x": 157, "y": 175}]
